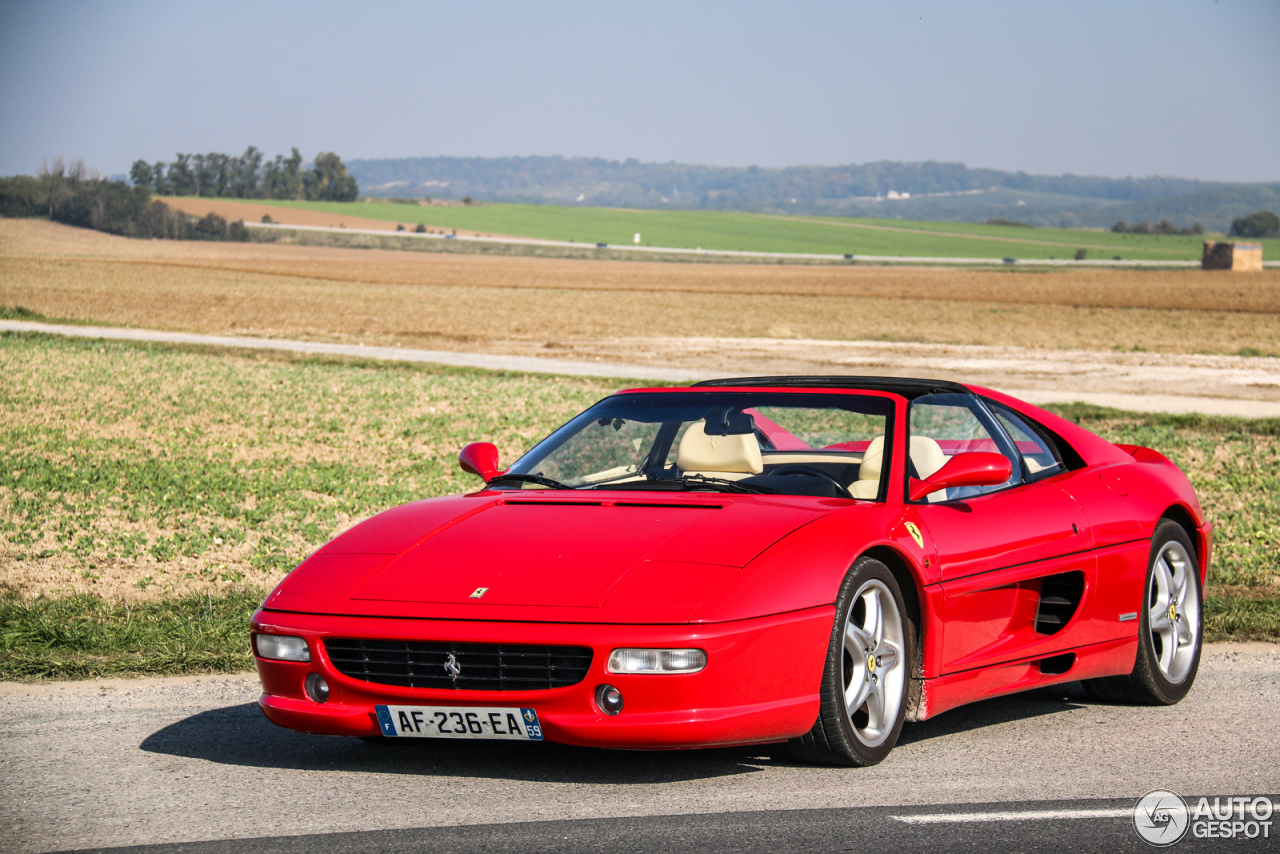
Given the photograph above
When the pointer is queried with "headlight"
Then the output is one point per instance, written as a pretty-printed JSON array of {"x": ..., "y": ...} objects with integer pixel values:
[
  {"x": 657, "y": 660},
  {"x": 281, "y": 647}
]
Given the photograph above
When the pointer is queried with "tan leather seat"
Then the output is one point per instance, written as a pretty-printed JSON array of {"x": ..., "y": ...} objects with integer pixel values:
[
  {"x": 868, "y": 483},
  {"x": 926, "y": 454},
  {"x": 717, "y": 456}
]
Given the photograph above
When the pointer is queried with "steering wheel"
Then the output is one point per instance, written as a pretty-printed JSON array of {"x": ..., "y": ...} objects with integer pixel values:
[{"x": 814, "y": 471}]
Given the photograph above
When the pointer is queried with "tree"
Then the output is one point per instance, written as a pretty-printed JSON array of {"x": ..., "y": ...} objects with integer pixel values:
[
  {"x": 243, "y": 177},
  {"x": 182, "y": 182},
  {"x": 245, "y": 184},
  {"x": 332, "y": 183},
  {"x": 22, "y": 196},
  {"x": 211, "y": 227},
  {"x": 293, "y": 185},
  {"x": 159, "y": 183},
  {"x": 140, "y": 173},
  {"x": 1256, "y": 225}
]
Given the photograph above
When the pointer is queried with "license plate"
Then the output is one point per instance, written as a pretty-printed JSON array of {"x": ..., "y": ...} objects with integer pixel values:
[{"x": 459, "y": 722}]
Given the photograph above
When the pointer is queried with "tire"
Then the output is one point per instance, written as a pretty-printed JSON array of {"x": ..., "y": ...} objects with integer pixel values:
[
  {"x": 1170, "y": 627},
  {"x": 867, "y": 673}
]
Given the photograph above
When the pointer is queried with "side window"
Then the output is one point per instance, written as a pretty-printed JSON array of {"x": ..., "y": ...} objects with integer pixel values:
[
  {"x": 943, "y": 425},
  {"x": 1040, "y": 455}
]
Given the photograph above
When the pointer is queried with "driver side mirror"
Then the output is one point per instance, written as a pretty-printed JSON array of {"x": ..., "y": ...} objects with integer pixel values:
[
  {"x": 976, "y": 468},
  {"x": 480, "y": 458}
]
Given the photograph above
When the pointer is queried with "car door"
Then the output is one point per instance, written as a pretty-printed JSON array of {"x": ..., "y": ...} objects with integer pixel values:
[{"x": 1015, "y": 559}]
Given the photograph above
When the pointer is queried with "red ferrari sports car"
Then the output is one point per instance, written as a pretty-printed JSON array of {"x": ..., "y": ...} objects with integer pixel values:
[{"x": 809, "y": 560}]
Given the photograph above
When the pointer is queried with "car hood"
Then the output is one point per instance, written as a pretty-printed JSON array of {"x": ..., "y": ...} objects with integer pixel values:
[{"x": 615, "y": 557}]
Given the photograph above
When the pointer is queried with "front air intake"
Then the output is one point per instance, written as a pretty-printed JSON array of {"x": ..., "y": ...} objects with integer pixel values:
[{"x": 459, "y": 666}]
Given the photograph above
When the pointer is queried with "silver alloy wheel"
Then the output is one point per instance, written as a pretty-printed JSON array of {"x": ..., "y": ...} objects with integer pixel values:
[
  {"x": 872, "y": 671},
  {"x": 1173, "y": 612}
]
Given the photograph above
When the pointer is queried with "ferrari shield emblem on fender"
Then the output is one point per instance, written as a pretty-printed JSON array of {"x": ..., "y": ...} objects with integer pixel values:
[
  {"x": 478, "y": 592},
  {"x": 915, "y": 534}
]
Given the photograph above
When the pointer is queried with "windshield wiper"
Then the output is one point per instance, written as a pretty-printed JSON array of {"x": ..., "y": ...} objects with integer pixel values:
[
  {"x": 530, "y": 478},
  {"x": 728, "y": 485}
]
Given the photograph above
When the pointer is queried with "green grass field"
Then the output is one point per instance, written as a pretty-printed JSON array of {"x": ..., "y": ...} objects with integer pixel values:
[
  {"x": 777, "y": 233},
  {"x": 150, "y": 495}
]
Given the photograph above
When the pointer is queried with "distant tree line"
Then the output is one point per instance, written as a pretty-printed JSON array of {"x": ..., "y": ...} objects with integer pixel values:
[
  {"x": 1256, "y": 225},
  {"x": 1164, "y": 226},
  {"x": 851, "y": 190},
  {"x": 247, "y": 177},
  {"x": 75, "y": 196},
  {"x": 562, "y": 179}
]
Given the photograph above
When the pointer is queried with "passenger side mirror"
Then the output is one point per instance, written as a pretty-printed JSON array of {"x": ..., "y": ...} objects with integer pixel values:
[
  {"x": 976, "y": 468},
  {"x": 480, "y": 458}
]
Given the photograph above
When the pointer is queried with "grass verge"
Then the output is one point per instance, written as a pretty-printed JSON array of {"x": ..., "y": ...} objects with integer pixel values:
[
  {"x": 83, "y": 636},
  {"x": 766, "y": 232},
  {"x": 149, "y": 495}
]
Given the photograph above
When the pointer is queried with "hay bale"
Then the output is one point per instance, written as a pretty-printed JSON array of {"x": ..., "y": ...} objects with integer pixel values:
[{"x": 1238, "y": 257}]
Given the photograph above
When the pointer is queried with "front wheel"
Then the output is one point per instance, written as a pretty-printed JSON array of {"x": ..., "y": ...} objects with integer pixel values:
[
  {"x": 864, "y": 682},
  {"x": 1170, "y": 627}
]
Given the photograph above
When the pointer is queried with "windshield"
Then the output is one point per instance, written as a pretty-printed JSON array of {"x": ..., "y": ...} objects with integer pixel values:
[{"x": 826, "y": 445}]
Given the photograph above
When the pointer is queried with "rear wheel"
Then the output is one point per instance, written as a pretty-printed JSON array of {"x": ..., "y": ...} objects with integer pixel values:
[
  {"x": 1170, "y": 626},
  {"x": 864, "y": 682}
]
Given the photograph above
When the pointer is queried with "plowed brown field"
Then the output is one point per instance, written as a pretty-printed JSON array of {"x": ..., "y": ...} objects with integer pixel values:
[
  {"x": 495, "y": 303},
  {"x": 231, "y": 210}
]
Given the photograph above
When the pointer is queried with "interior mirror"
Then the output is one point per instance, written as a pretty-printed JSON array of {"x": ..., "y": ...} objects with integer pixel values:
[
  {"x": 480, "y": 458},
  {"x": 976, "y": 468},
  {"x": 726, "y": 422}
]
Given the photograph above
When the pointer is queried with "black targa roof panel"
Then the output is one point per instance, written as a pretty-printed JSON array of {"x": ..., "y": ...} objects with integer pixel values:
[{"x": 906, "y": 386}]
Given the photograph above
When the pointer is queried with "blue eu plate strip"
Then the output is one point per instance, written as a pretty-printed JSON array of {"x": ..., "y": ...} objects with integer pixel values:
[{"x": 384, "y": 721}]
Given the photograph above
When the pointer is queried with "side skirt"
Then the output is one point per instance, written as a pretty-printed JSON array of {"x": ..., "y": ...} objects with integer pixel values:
[{"x": 1110, "y": 658}]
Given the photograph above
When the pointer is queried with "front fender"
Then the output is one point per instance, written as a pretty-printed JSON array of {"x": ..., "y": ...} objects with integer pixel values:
[{"x": 805, "y": 568}]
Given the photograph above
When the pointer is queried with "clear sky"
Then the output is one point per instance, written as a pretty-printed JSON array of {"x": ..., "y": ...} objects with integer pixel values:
[{"x": 1186, "y": 88}]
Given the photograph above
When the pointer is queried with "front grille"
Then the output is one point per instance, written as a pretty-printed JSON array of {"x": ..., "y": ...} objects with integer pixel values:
[{"x": 480, "y": 666}]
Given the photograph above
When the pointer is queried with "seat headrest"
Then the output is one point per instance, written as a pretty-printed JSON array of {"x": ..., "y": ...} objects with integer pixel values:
[
  {"x": 927, "y": 456},
  {"x": 734, "y": 453}
]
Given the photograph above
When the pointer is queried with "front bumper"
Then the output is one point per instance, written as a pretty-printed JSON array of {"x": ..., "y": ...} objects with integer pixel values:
[{"x": 760, "y": 684}]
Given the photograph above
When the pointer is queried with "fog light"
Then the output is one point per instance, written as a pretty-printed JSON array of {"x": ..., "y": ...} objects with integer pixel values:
[
  {"x": 609, "y": 699},
  {"x": 316, "y": 688},
  {"x": 281, "y": 647},
  {"x": 657, "y": 660}
]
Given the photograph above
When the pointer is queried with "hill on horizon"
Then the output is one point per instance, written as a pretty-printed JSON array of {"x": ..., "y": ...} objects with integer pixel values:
[{"x": 924, "y": 191}]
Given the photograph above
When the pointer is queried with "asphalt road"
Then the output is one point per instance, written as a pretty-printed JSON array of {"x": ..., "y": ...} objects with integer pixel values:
[
  {"x": 165, "y": 761},
  {"x": 1088, "y": 826}
]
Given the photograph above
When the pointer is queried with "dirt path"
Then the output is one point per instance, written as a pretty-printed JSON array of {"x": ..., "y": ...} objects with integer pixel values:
[
  {"x": 1144, "y": 382},
  {"x": 1174, "y": 252}
]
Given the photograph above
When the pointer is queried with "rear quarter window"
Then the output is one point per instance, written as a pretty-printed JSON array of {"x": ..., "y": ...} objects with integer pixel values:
[{"x": 1042, "y": 453}]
